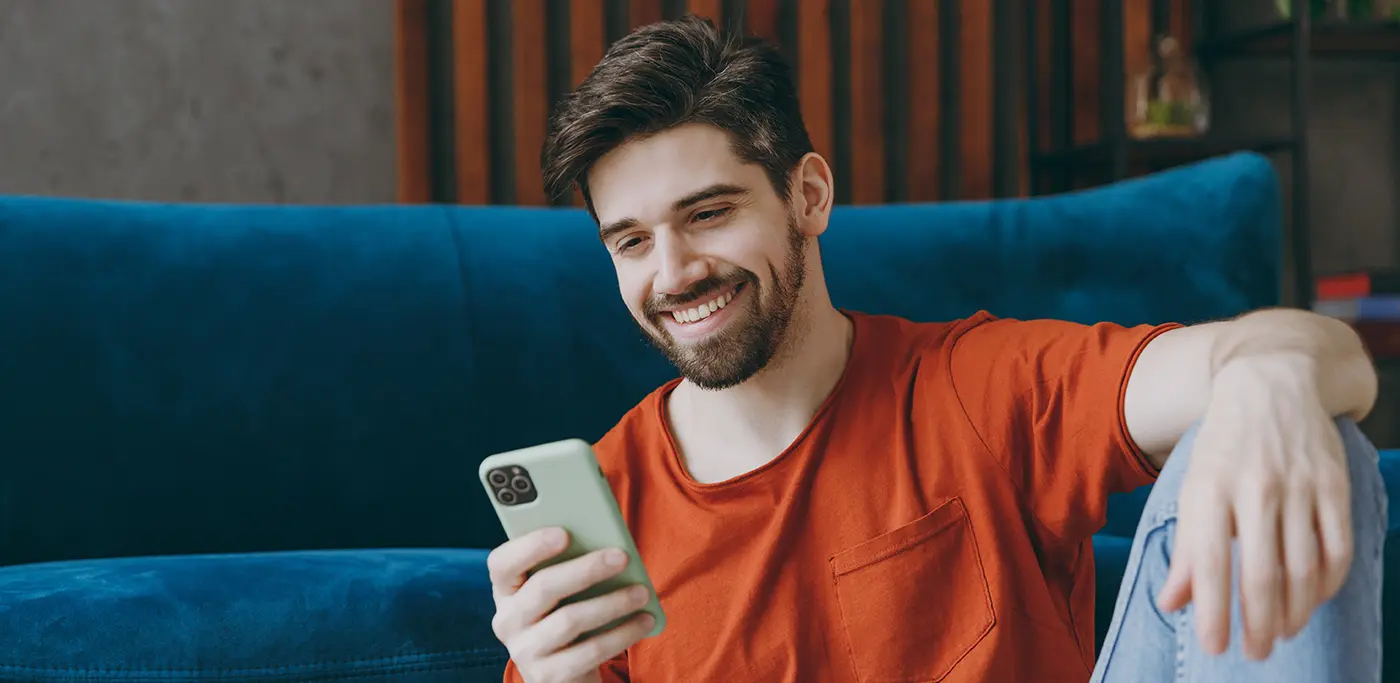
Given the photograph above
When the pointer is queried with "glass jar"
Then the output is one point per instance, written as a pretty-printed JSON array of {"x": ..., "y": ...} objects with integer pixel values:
[{"x": 1169, "y": 99}]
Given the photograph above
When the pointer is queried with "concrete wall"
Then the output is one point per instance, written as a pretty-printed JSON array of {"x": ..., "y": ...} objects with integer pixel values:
[{"x": 209, "y": 100}]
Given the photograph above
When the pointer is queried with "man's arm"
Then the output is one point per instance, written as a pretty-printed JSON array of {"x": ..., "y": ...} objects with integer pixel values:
[
  {"x": 1267, "y": 469},
  {"x": 1177, "y": 372}
]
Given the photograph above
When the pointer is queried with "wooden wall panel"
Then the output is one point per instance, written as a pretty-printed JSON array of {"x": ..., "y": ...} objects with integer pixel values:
[
  {"x": 643, "y": 12},
  {"x": 1137, "y": 35},
  {"x": 711, "y": 9},
  {"x": 471, "y": 103},
  {"x": 764, "y": 18},
  {"x": 920, "y": 117},
  {"x": 867, "y": 100},
  {"x": 530, "y": 96},
  {"x": 1042, "y": 61},
  {"x": 925, "y": 84},
  {"x": 976, "y": 100},
  {"x": 411, "y": 95},
  {"x": 588, "y": 37},
  {"x": 1084, "y": 58},
  {"x": 814, "y": 73}
]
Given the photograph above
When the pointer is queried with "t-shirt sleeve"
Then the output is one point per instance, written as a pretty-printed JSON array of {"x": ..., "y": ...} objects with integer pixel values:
[
  {"x": 613, "y": 671},
  {"x": 1046, "y": 398}
]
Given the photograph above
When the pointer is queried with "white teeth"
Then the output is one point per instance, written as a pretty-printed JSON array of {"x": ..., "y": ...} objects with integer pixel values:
[{"x": 704, "y": 310}]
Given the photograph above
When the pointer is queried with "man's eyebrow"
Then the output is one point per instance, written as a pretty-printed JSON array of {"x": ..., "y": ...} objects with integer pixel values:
[
  {"x": 716, "y": 190},
  {"x": 606, "y": 232}
]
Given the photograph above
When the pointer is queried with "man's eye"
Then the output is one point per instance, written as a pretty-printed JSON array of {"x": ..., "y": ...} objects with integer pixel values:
[
  {"x": 711, "y": 214},
  {"x": 628, "y": 243}
]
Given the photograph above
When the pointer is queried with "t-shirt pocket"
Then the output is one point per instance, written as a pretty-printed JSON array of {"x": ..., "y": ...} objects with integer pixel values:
[{"x": 914, "y": 601}]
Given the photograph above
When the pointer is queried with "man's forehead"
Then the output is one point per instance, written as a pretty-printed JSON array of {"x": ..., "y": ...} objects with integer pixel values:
[{"x": 648, "y": 175}]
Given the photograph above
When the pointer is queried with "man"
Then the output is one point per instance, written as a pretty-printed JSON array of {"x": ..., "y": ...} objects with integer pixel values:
[{"x": 827, "y": 495}]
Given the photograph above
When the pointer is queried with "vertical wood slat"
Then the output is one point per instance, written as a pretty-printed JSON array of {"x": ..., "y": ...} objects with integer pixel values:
[
  {"x": 1137, "y": 44},
  {"x": 588, "y": 38},
  {"x": 411, "y": 101},
  {"x": 1085, "y": 32},
  {"x": 710, "y": 9},
  {"x": 588, "y": 42},
  {"x": 643, "y": 12},
  {"x": 1043, "y": 64},
  {"x": 975, "y": 108},
  {"x": 867, "y": 100},
  {"x": 530, "y": 97},
  {"x": 1181, "y": 22},
  {"x": 763, "y": 18},
  {"x": 814, "y": 73},
  {"x": 925, "y": 115},
  {"x": 1025, "y": 106},
  {"x": 470, "y": 102}
]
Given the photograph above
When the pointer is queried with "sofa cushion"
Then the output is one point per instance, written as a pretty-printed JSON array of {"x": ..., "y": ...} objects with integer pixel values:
[{"x": 390, "y": 615}]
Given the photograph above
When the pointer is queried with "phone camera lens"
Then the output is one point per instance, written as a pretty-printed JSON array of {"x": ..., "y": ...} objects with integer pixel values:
[
  {"x": 497, "y": 478},
  {"x": 520, "y": 484},
  {"x": 506, "y": 496}
]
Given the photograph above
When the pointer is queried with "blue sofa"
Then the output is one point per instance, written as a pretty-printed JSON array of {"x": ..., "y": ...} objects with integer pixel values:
[{"x": 240, "y": 442}]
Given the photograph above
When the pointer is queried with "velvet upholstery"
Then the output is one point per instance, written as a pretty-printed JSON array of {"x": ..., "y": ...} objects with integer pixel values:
[{"x": 241, "y": 441}]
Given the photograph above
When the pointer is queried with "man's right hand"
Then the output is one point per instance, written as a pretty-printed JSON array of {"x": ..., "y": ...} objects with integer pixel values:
[{"x": 540, "y": 638}]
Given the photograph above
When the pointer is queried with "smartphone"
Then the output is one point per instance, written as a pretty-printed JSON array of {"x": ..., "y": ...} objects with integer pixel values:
[{"x": 561, "y": 485}]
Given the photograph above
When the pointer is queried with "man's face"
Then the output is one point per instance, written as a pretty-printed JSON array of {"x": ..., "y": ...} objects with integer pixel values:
[{"x": 709, "y": 258}]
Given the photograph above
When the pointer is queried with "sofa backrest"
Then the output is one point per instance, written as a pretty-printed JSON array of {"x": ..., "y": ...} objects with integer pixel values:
[{"x": 196, "y": 378}]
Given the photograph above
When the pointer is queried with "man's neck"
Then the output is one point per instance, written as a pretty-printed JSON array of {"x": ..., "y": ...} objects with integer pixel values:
[{"x": 774, "y": 406}]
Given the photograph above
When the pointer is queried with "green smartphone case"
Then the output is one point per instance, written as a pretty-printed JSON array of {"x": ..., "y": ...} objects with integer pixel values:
[{"x": 564, "y": 487}]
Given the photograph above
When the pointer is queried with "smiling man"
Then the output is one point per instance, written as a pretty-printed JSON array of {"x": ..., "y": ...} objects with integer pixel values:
[{"x": 829, "y": 495}]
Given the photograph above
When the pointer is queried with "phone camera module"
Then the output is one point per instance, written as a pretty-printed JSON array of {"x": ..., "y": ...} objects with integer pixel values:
[{"x": 512, "y": 485}]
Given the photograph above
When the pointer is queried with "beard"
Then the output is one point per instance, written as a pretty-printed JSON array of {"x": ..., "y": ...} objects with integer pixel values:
[{"x": 746, "y": 345}]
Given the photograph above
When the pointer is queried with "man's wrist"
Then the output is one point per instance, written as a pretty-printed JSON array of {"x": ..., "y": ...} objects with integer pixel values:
[{"x": 1267, "y": 379}]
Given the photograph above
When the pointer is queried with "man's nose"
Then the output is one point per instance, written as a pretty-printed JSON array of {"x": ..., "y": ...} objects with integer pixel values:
[{"x": 680, "y": 267}]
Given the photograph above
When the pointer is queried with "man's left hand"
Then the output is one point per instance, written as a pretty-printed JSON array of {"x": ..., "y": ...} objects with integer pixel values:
[{"x": 1267, "y": 470}]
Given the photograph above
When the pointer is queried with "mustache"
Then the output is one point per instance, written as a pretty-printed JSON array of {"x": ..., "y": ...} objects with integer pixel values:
[{"x": 700, "y": 290}]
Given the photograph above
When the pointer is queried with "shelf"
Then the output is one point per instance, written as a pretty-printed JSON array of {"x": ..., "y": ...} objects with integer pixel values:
[
  {"x": 1357, "y": 40},
  {"x": 1158, "y": 153}
]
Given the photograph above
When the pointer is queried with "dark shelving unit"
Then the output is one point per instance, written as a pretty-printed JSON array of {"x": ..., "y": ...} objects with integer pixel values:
[
  {"x": 1062, "y": 165},
  {"x": 1348, "y": 40}
]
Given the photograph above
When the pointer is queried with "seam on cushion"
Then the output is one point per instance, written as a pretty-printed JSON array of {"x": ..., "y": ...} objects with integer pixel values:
[
  {"x": 423, "y": 659},
  {"x": 468, "y": 320}
]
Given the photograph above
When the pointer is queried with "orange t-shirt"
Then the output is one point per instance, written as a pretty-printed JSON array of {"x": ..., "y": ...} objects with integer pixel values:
[{"x": 933, "y": 522}]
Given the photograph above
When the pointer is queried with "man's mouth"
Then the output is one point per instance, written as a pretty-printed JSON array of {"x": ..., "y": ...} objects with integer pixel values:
[{"x": 706, "y": 308}]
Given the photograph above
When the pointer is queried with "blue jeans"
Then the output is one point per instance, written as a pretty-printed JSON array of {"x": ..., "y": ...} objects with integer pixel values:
[{"x": 1342, "y": 641}]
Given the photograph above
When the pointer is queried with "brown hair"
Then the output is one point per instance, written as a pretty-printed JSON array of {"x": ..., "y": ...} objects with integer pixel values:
[{"x": 671, "y": 73}]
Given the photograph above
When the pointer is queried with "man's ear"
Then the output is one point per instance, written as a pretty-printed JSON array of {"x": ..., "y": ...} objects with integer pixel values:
[{"x": 814, "y": 193}]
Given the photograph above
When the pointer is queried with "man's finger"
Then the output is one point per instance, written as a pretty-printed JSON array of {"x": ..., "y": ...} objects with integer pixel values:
[
  {"x": 592, "y": 653},
  {"x": 551, "y": 585},
  {"x": 1209, "y": 538},
  {"x": 1257, "y": 520},
  {"x": 1176, "y": 589},
  {"x": 567, "y": 623},
  {"x": 1334, "y": 529},
  {"x": 1302, "y": 562},
  {"x": 512, "y": 561}
]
